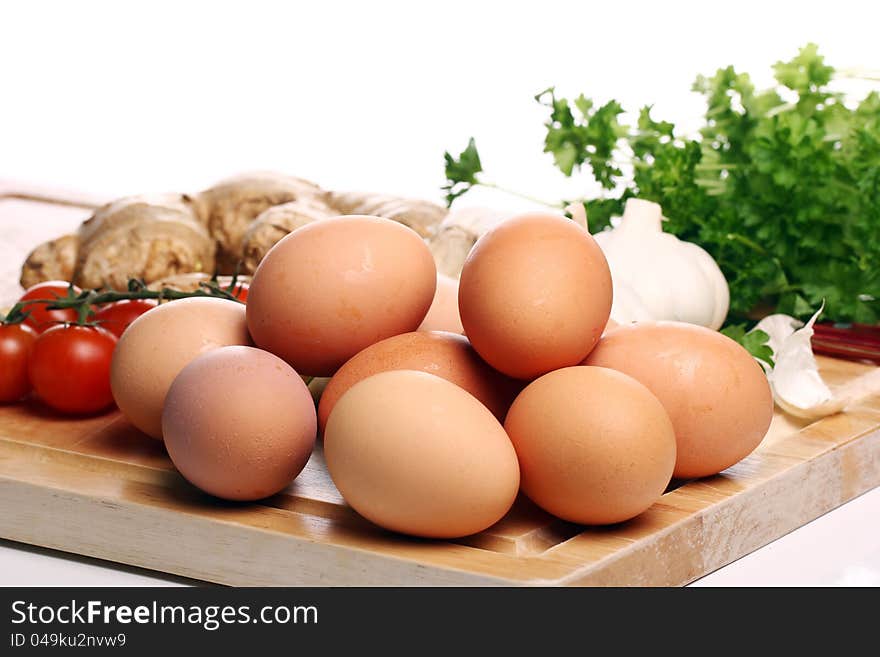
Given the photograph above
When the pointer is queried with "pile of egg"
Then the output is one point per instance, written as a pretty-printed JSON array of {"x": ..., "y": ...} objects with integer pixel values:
[{"x": 434, "y": 433}]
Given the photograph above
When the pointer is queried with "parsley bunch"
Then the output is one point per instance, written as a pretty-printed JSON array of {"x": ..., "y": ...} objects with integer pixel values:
[{"x": 781, "y": 187}]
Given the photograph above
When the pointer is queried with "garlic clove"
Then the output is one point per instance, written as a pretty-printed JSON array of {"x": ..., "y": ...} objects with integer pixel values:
[
  {"x": 797, "y": 386},
  {"x": 579, "y": 215},
  {"x": 844, "y": 397},
  {"x": 795, "y": 379},
  {"x": 779, "y": 328}
]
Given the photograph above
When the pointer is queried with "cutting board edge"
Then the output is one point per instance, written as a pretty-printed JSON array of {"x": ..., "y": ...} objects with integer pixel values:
[
  {"x": 847, "y": 468},
  {"x": 359, "y": 567},
  {"x": 850, "y": 470}
]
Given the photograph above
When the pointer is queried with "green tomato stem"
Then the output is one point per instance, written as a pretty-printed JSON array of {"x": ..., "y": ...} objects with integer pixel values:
[{"x": 83, "y": 302}]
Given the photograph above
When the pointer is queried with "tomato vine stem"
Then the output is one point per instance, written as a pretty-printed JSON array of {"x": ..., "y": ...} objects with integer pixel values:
[{"x": 84, "y": 302}]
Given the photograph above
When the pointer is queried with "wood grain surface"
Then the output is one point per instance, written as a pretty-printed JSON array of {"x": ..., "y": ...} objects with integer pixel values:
[{"x": 98, "y": 487}]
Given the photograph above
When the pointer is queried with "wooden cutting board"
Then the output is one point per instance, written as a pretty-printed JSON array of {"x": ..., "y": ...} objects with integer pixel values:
[{"x": 98, "y": 487}]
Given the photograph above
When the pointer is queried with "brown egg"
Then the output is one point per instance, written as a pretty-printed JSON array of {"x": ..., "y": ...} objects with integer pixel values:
[
  {"x": 443, "y": 313},
  {"x": 333, "y": 287},
  {"x": 594, "y": 445},
  {"x": 416, "y": 454},
  {"x": 717, "y": 396},
  {"x": 534, "y": 295},
  {"x": 239, "y": 423},
  {"x": 447, "y": 355},
  {"x": 158, "y": 344}
]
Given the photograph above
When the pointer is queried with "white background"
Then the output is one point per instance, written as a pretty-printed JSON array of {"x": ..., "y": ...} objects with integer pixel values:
[
  {"x": 123, "y": 97},
  {"x": 116, "y": 98}
]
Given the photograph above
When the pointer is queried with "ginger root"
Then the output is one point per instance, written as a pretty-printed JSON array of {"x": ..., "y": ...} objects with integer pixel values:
[
  {"x": 229, "y": 207},
  {"x": 422, "y": 216},
  {"x": 141, "y": 237},
  {"x": 192, "y": 282},
  {"x": 457, "y": 235},
  {"x": 51, "y": 261},
  {"x": 276, "y": 222},
  {"x": 227, "y": 229}
]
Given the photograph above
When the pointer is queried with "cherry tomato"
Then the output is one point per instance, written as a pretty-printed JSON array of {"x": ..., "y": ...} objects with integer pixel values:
[
  {"x": 115, "y": 317},
  {"x": 16, "y": 343},
  {"x": 70, "y": 368},
  {"x": 39, "y": 317},
  {"x": 240, "y": 291}
]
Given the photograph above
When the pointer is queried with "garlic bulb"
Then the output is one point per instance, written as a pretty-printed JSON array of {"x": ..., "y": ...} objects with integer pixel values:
[{"x": 657, "y": 276}]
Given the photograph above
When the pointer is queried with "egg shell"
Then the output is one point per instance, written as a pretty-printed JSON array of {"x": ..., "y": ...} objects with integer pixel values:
[
  {"x": 594, "y": 445},
  {"x": 239, "y": 423},
  {"x": 716, "y": 394},
  {"x": 416, "y": 454},
  {"x": 534, "y": 295},
  {"x": 447, "y": 355},
  {"x": 443, "y": 313},
  {"x": 159, "y": 343},
  {"x": 333, "y": 287}
]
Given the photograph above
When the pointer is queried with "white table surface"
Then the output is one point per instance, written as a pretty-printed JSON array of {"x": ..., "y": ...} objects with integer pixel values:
[{"x": 841, "y": 548}]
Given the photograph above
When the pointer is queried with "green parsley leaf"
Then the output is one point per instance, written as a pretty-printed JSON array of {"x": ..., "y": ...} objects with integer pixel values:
[
  {"x": 754, "y": 341},
  {"x": 588, "y": 138},
  {"x": 806, "y": 73},
  {"x": 781, "y": 186},
  {"x": 461, "y": 172}
]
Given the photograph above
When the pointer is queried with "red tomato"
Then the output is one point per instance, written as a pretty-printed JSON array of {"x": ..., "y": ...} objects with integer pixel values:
[
  {"x": 70, "y": 368},
  {"x": 40, "y": 318},
  {"x": 240, "y": 292},
  {"x": 115, "y": 317},
  {"x": 16, "y": 342}
]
